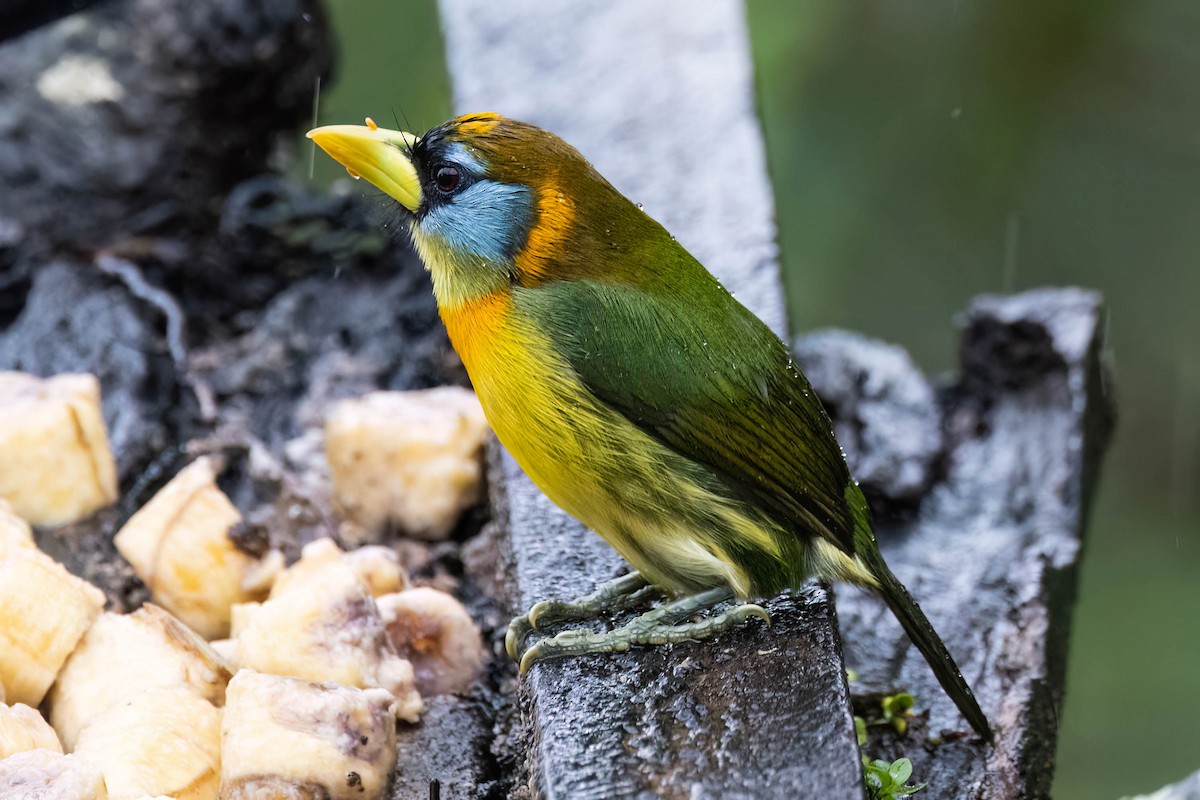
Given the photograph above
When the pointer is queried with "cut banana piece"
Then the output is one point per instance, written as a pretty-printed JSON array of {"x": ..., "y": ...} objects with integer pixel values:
[
  {"x": 160, "y": 741},
  {"x": 377, "y": 568},
  {"x": 57, "y": 466},
  {"x": 47, "y": 775},
  {"x": 438, "y": 637},
  {"x": 408, "y": 459},
  {"x": 289, "y": 738},
  {"x": 124, "y": 655},
  {"x": 179, "y": 545},
  {"x": 44, "y": 610},
  {"x": 320, "y": 624},
  {"x": 14, "y": 531},
  {"x": 23, "y": 728},
  {"x": 226, "y": 649}
]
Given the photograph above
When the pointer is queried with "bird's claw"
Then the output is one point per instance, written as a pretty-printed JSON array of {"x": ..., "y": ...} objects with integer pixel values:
[
  {"x": 663, "y": 625},
  {"x": 522, "y": 626},
  {"x": 625, "y": 592},
  {"x": 518, "y": 629}
]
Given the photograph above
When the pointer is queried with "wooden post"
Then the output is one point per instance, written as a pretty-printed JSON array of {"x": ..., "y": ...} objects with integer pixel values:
[{"x": 659, "y": 97}]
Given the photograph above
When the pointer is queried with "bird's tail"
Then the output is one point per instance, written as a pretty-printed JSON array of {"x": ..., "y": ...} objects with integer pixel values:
[
  {"x": 919, "y": 629},
  {"x": 913, "y": 619}
]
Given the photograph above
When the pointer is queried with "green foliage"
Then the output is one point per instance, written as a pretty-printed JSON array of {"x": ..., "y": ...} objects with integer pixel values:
[
  {"x": 886, "y": 780},
  {"x": 896, "y": 711}
]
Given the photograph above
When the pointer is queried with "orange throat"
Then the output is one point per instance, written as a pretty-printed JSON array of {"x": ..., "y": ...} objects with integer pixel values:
[{"x": 478, "y": 328}]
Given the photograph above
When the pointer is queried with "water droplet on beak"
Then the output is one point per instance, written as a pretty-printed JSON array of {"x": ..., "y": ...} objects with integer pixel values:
[
  {"x": 352, "y": 173},
  {"x": 371, "y": 124}
]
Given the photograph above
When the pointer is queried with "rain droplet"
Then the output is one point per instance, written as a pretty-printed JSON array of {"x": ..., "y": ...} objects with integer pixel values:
[{"x": 352, "y": 173}]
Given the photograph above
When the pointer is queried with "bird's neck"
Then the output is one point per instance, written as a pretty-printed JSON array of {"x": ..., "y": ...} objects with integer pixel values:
[
  {"x": 459, "y": 279},
  {"x": 476, "y": 326}
]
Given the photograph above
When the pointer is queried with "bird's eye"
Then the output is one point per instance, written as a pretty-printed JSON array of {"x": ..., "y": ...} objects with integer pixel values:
[{"x": 447, "y": 179}]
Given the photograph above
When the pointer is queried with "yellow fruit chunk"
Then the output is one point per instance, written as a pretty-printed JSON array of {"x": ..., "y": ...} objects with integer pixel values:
[
  {"x": 321, "y": 624},
  {"x": 179, "y": 545},
  {"x": 289, "y": 738},
  {"x": 126, "y": 655},
  {"x": 23, "y": 728},
  {"x": 44, "y": 610},
  {"x": 408, "y": 459},
  {"x": 57, "y": 467},
  {"x": 47, "y": 775}
]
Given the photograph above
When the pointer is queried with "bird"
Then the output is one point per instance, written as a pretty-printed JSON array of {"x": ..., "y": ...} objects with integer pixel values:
[{"x": 634, "y": 390}]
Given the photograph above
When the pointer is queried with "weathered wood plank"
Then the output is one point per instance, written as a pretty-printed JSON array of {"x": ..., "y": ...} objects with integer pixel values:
[
  {"x": 659, "y": 97},
  {"x": 992, "y": 551}
]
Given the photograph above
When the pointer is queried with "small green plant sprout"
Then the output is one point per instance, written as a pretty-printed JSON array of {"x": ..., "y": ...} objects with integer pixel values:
[
  {"x": 886, "y": 781},
  {"x": 897, "y": 708},
  {"x": 885, "y": 710}
]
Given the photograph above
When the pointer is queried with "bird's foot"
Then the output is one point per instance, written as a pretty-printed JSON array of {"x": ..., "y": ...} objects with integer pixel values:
[
  {"x": 662, "y": 625},
  {"x": 628, "y": 591}
]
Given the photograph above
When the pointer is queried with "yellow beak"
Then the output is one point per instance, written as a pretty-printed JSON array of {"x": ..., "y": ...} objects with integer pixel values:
[{"x": 377, "y": 154}]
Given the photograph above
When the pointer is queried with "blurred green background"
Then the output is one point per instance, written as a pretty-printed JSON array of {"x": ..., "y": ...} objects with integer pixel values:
[{"x": 924, "y": 153}]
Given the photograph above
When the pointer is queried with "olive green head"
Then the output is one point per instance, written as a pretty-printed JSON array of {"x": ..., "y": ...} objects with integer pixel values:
[{"x": 492, "y": 202}]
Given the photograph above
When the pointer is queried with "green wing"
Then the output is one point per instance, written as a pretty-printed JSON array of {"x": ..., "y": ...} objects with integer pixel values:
[{"x": 697, "y": 371}]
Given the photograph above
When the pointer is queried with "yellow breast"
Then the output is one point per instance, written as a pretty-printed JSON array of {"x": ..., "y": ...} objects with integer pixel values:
[
  {"x": 532, "y": 400},
  {"x": 589, "y": 459}
]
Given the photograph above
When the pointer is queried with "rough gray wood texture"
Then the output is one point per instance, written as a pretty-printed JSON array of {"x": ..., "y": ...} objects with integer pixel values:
[
  {"x": 659, "y": 97},
  {"x": 992, "y": 551}
]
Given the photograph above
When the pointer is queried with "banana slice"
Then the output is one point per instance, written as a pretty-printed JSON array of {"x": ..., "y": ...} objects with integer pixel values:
[
  {"x": 23, "y": 728},
  {"x": 226, "y": 648},
  {"x": 436, "y": 634},
  {"x": 160, "y": 741},
  {"x": 47, "y": 775},
  {"x": 320, "y": 624},
  {"x": 44, "y": 610},
  {"x": 57, "y": 466},
  {"x": 178, "y": 544},
  {"x": 124, "y": 655},
  {"x": 409, "y": 459},
  {"x": 377, "y": 568},
  {"x": 289, "y": 738},
  {"x": 14, "y": 531}
]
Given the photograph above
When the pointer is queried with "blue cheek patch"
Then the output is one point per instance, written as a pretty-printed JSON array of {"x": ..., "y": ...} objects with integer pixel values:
[{"x": 488, "y": 220}]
